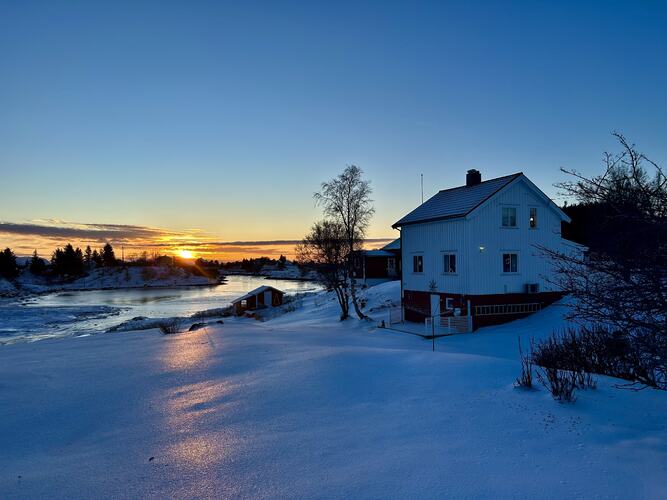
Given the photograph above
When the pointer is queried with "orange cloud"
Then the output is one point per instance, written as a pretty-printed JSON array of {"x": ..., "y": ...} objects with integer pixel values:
[{"x": 45, "y": 235}]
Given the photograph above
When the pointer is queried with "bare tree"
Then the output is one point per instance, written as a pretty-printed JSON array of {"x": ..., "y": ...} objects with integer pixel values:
[
  {"x": 346, "y": 199},
  {"x": 325, "y": 247},
  {"x": 621, "y": 285}
]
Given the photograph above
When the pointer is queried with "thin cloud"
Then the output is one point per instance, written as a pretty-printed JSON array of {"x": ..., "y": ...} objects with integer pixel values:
[{"x": 95, "y": 232}]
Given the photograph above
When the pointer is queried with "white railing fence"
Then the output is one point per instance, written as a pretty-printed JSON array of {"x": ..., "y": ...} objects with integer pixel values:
[
  {"x": 507, "y": 309},
  {"x": 395, "y": 315},
  {"x": 447, "y": 325}
]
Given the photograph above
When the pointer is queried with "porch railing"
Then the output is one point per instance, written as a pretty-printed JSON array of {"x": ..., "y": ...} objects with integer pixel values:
[{"x": 493, "y": 310}]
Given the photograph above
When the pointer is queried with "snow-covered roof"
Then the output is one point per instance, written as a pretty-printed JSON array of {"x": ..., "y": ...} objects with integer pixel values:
[
  {"x": 456, "y": 202},
  {"x": 256, "y": 291},
  {"x": 394, "y": 245},
  {"x": 378, "y": 253}
]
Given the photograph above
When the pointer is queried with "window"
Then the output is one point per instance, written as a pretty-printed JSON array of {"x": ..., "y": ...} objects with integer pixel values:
[
  {"x": 449, "y": 303},
  {"x": 533, "y": 217},
  {"x": 509, "y": 216},
  {"x": 417, "y": 263},
  {"x": 450, "y": 263},
  {"x": 509, "y": 263}
]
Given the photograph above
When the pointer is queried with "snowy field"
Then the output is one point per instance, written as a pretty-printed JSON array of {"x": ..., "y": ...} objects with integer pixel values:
[{"x": 303, "y": 406}]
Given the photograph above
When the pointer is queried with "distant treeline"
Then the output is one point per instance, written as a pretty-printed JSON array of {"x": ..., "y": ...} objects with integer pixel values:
[
  {"x": 74, "y": 262},
  {"x": 255, "y": 265}
]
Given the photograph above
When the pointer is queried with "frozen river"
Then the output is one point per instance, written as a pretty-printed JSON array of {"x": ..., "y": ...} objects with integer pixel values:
[{"x": 71, "y": 313}]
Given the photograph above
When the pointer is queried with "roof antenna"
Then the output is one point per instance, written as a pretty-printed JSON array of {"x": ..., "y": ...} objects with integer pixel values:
[{"x": 422, "y": 178}]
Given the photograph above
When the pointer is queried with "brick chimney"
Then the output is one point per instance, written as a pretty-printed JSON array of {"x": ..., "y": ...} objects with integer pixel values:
[{"x": 473, "y": 177}]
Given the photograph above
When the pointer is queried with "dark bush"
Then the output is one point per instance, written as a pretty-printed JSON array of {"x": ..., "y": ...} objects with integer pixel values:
[{"x": 599, "y": 350}]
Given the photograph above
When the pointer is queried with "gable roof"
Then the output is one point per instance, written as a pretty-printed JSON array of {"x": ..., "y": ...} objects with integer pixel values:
[
  {"x": 394, "y": 245},
  {"x": 456, "y": 202},
  {"x": 256, "y": 291}
]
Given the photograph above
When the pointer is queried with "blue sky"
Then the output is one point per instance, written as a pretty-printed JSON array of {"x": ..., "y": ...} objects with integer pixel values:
[{"x": 225, "y": 117}]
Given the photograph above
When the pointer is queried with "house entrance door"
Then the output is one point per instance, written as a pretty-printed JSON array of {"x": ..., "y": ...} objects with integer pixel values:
[{"x": 268, "y": 296}]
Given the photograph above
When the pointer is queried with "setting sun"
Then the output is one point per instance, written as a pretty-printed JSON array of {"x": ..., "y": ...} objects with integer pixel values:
[{"x": 186, "y": 254}]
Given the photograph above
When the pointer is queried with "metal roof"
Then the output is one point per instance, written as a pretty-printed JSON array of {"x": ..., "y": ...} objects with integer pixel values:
[{"x": 456, "y": 202}]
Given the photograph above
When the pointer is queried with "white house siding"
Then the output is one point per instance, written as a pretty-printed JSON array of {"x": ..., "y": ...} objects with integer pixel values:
[
  {"x": 479, "y": 242},
  {"x": 431, "y": 240}
]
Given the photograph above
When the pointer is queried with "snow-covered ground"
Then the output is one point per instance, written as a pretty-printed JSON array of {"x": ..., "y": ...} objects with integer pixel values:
[{"x": 303, "y": 406}]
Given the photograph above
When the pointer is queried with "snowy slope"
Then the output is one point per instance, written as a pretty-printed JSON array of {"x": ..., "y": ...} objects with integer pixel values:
[{"x": 304, "y": 406}]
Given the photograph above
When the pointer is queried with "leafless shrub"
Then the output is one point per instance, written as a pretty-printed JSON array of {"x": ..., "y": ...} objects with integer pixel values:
[
  {"x": 594, "y": 350},
  {"x": 620, "y": 284},
  {"x": 525, "y": 380},
  {"x": 560, "y": 383}
]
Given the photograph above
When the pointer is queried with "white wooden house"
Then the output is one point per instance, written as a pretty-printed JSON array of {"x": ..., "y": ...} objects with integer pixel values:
[{"x": 475, "y": 249}]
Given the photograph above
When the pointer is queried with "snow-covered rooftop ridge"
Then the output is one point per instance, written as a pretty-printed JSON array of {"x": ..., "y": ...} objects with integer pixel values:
[
  {"x": 394, "y": 245},
  {"x": 456, "y": 202},
  {"x": 378, "y": 253}
]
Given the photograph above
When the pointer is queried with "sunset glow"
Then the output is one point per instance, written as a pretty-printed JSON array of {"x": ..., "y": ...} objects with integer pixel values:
[{"x": 186, "y": 254}]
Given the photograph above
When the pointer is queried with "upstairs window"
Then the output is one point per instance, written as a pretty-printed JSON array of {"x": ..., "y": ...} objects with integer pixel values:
[
  {"x": 509, "y": 216},
  {"x": 450, "y": 263},
  {"x": 510, "y": 262},
  {"x": 417, "y": 263},
  {"x": 533, "y": 217}
]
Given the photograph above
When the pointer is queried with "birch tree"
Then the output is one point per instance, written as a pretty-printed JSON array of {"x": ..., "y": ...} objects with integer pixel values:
[{"x": 346, "y": 199}]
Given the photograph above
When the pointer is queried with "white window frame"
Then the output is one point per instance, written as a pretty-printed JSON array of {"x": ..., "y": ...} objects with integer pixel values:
[
  {"x": 449, "y": 304},
  {"x": 502, "y": 216},
  {"x": 510, "y": 253},
  {"x": 445, "y": 269},
  {"x": 414, "y": 257}
]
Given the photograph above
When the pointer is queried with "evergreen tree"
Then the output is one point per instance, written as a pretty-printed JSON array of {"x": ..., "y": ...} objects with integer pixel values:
[
  {"x": 88, "y": 258},
  {"x": 108, "y": 256},
  {"x": 68, "y": 261},
  {"x": 97, "y": 259},
  {"x": 37, "y": 265},
  {"x": 8, "y": 267}
]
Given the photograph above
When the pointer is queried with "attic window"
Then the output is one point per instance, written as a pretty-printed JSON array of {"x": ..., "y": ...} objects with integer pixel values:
[
  {"x": 450, "y": 263},
  {"x": 509, "y": 216},
  {"x": 533, "y": 217},
  {"x": 417, "y": 263}
]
